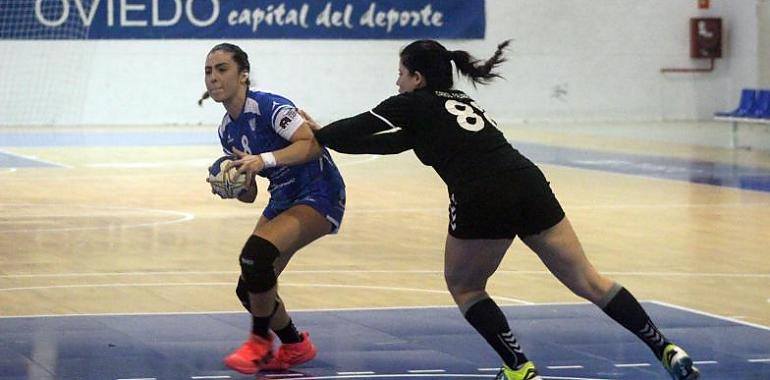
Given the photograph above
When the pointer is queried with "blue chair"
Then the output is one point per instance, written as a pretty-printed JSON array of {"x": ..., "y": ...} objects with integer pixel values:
[
  {"x": 761, "y": 106},
  {"x": 748, "y": 96}
]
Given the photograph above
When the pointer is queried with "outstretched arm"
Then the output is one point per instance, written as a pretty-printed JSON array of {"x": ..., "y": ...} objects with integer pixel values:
[
  {"x": 362, "y": 134},
  {"x": 382, "y": 143}
]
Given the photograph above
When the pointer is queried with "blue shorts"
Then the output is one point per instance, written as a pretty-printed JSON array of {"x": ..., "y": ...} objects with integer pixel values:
[{"x": 325, "y": 195}]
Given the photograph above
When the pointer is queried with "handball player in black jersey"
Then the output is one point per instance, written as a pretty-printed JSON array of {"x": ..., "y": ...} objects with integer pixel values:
[{"x": 495, "y": 194}]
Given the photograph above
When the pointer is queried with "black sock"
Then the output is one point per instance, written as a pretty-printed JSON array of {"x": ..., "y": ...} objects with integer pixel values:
[
  {"x": 288, "y": 334},
  {"x": 260, "y": 326},
  {"x": 627, "y": 311},
  {"x": 487, "y": 318}
]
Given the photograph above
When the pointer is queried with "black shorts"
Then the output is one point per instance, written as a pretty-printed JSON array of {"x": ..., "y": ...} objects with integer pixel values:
[{"x": 516, "y": 202}]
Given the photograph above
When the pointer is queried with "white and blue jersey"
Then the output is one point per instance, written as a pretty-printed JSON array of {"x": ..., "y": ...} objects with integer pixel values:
[{"x": 266, "y": 124}]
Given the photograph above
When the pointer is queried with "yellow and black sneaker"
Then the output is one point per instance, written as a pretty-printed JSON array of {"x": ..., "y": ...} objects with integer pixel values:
[
  {"x": 678, "y": 363},
  {"x": 525, "y": 372}
]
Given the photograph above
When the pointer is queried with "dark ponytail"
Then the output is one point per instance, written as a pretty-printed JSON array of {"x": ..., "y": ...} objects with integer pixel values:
[
  {"x": 203, "y": 97},
  {"x": 239, "y": 57},
  {"x": 433, "y": 61},
  {"x": 479, "y": 72}
]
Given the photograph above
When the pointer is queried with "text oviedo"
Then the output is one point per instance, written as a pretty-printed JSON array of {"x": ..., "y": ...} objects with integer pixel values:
[{"x": 205, "y": 13}]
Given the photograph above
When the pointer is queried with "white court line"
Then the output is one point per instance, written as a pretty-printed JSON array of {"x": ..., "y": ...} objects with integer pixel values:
[
  {"x": 195, "y": 284},
  {"x": 631, "y": 365},
  {"x": 186, "y": 274},
  {"x": 668, "y": 206},
  {"x": 759, "y": 360},
  {"x": 354, "y": 271},
  {"x": 109, "y": 274},
  {"x": 443, "y": 209},
  {"x": 116, "y": 285},
  {"x": 367, "y": 375},
  {"x": 182, "y": 217},
  {"x": 738, "y": 321},
  {"x": 193, "y": 162},
  {"x": 7, "y": 170},
  {"x": 240, "y": 311},
  {"x": 289, "y": 284},
  {"x": 343, "y": 309},
  {"x": 356, "y": 373},
  {"x": 583, "y": 207},
  {"x": 684, "y": 274},
  {"x": 575, "y": 366},
  {"x": 426, "y": 371}
]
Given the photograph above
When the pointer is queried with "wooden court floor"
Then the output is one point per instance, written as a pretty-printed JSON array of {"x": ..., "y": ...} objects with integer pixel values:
[{"x": 134, "y": 229}]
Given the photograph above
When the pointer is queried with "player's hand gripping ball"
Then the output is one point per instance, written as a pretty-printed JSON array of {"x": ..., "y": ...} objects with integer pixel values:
[{"x": 223, "y": 181}]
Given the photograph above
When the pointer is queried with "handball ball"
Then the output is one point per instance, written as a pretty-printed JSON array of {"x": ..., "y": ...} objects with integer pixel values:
[{"x": 223, "y": 181}]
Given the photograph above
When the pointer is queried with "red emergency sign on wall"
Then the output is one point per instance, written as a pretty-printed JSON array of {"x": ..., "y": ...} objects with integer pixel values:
[{"x": 706, "y": 37}]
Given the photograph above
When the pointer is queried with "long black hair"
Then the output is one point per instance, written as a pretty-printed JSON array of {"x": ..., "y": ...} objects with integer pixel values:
[
  {"x": 240, "y": 58},
  {"x": 433, "y": 61}
]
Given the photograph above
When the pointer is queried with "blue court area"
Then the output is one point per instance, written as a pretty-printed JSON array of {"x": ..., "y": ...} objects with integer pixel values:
[
  {"x": 8, "y": 160},
  {"x": 567, "y": 341},
  {"x": 695, "y": 171},
  {"x": 705, "y": 172}
]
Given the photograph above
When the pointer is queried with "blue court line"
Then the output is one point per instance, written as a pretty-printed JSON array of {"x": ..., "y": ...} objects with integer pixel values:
[
  {"x": 160, "y": 137},
  {"x": 694, "y": 171},
  {"x": 380, "y": 343}
]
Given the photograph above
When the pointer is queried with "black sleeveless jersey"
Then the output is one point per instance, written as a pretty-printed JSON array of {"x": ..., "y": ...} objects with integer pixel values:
[{"x": 446, "y": 129}]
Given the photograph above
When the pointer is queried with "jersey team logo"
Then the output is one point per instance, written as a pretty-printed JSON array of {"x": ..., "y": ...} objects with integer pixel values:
[
  {"x": 290, "y": 115},
  {"x": 284, "y": 122}
]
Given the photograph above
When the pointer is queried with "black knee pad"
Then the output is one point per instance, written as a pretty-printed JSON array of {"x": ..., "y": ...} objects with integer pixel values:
[
  {"x": 243, "y": 294},
  {"x": 256, "y": 260}
]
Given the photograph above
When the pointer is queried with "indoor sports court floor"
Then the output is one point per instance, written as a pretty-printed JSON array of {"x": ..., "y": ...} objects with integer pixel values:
[{"x": 116, "y": 262}]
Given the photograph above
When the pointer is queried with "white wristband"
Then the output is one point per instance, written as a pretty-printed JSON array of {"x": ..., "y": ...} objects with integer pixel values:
[{"x": 268, "y": 158}]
